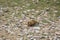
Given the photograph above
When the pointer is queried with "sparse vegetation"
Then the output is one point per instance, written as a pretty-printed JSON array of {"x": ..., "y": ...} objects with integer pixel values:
[{"x": 14, "y": 15}]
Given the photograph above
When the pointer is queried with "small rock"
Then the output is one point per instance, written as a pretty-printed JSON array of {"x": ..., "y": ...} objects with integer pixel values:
[
  {"x": 37, "y": 11},
  {"x": 25, "y": 11},
  {"x": 28, "y": 10},
  {"x": 21, "y": 20},
  {"x": 37, "y": 28},
  {"x": 6, "y": 10},
  {"x": 33, "y": 39}
]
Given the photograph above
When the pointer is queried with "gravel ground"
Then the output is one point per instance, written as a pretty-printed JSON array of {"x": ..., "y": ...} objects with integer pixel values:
[{"x": 14, "y": 19}]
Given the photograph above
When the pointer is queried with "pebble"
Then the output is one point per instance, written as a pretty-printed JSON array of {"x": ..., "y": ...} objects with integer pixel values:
[
  {"x": 23, "y": 6},
  {"x": 21, "y": 20},
  {"x": 25, "y": 11},
  {"x": 37, "y": 11},
  {"x": 21, "y": 38},
  {"x": 25, "y": 31},
  {"x": 32, "y": 9},
  {"x": 7, "y": 39},
  {"x": 28, "y": 10},
  {"x": 27, "y": 4},
  {"x": 36, "y": 28},
  {"x": 33, "y": 39},
  {"x": 37, "y": 31},
  {"x": 29, "y": 36},
  {"x": 55, "y": 11},
  {"x": 0, "y": 38},
  {"x": 55, "y": 0},
  {"x": 59, "y": 17}
]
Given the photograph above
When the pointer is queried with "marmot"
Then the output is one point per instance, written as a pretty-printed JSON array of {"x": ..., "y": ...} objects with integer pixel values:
[{"x": 32, "y": 22}]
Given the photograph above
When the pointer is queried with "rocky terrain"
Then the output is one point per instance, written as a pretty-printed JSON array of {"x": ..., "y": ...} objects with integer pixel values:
[{"x": 15, "y": 15}]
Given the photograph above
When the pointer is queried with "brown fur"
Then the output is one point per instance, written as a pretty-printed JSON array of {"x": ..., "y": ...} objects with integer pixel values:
[{"x": 32, "y": 22}]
